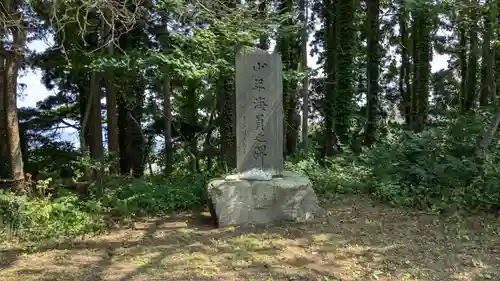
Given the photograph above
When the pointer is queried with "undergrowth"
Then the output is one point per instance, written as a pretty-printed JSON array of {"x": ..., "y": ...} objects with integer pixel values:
[
  {"x": 433, "y": 170},
  {"x": 65, "y": 215}
]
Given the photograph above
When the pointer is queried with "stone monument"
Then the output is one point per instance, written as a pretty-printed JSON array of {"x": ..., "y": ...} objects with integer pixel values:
[
  {"x": 259, "y": 113},
  {"x": 261, "y": 192}
]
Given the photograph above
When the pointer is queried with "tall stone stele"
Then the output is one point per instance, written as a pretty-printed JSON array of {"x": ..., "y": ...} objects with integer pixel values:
[
  {"x": 259, "y": 112},
  {"x": 261, "y": 192}
]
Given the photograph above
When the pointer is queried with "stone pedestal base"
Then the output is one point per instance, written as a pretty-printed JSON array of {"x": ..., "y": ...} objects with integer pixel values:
[{"x": 245, "y": 202}]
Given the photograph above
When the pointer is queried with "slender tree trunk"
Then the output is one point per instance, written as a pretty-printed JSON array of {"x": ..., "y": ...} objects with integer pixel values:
[
  {"x": 85, "y": 107},
  {"x": 372, "y": 71},
  {"x": 130, "y": 131},
  {"x": 4, "y": 149},
  {"x": 415, "y": 74},
  {"x": 123, "y": 134},
  {"x": 422, "y": 68},
  {"x": 264, "y": 40},
  {"x": 347, "y": 41},
  {"x": 305, "y": 81},
  {"x": 95, "y": 125},
  {"x": 190, "y": 114},
  {"x": 227, "y": 122},
  {"x": 167, "y": 115},
  {"x": 496, "y": 67},
  {"x": 135, "y": 136},
  {"x": 405, "y": 71},
  {"x": 329, "y": 103},
  {"x": 488, "y": 87},
  {"x": 111, "y": 100},
  {"x": 462, "y": 61},
  {"x": 13, "y": 63},
  {"x": 289, "y": 48},
  {"x": 471, "y": 82}
]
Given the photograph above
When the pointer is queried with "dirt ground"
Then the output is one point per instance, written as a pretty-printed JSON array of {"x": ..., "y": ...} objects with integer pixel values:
[{"x": 353, "y": 239}]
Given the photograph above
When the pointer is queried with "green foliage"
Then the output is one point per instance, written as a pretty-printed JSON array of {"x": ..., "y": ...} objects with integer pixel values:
[
  {"x": 342, "y": 175},
  {"x": 437, "y": 168},
  {"x": 155, "y": 196},
  {"x": 39, "y": 219},
  {"x": 31, "y": 219}
]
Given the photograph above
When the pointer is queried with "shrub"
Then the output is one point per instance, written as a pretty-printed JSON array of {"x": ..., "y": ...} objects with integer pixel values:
[
  {"x": 36, "y": 219},
  {"x": 39, "y": 219},
  {"x": 155, "y": 196},
  {"x": 342, "y": 174},
  {"x": 436, "y": 169}
]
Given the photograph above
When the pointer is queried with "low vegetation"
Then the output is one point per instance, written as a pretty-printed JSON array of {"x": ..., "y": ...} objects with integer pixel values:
[
  {"x": 436, "y": 170},
  {"x": 352, "y": 239},
  {"x": 441, "y": 225}
]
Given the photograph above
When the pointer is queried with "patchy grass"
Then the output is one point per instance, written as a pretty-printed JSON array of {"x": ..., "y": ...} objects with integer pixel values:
[{"x": 354, "y": 239}]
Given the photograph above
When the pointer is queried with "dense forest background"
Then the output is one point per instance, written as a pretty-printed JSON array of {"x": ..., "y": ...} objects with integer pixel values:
[{"x": 151, "y": 83}]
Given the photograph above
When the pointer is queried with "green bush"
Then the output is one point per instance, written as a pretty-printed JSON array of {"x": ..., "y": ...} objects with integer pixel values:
[
  {"x": 436, "y": 169},
  {"x": 342, "y": 175},
  {"x": 155, "y": 196},
  {"x": 39, "y": 219},
  {"x": 35, "y": 219}
]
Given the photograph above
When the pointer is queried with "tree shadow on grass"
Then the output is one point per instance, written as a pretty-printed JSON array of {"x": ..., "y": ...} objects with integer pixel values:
[
  {"x": 8, "y": 257},
  {"x": 353, "y": 240}
]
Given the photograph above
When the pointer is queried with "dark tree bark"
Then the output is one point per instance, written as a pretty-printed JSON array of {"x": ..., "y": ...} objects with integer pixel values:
[
  {"x": 304, "y": 91},
  {"x": 111, "y": 101},
  {"x": 12, "y": 66},
  {"x": 488, "y": 87},
  {"x": 471, "y": 82},
  {"x": 372, "y": 72},
  {"x": 167, "y": 115},
  {"x": 422, "y": 67},
  {"x": 329, "y": 102},
  {"x": 405, "y": 69}
]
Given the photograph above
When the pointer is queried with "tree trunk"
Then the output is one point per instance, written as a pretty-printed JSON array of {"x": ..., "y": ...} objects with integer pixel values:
[
  {"x": 85, "y": 109},
  {"x": 123, "y": 135},
  {"x": 95, "y": 125},
  {"x": 347, "y": 44},
  {"x": 227, "y": 122},
  {"x": 496, "y": 71},
  {"x": 4, "y": 149},
  {"x": 189, "y": 113},
  {"x": 471, "y": 82},
  {"x": 305, "y": 81},
  {"x": 167, "y": 115},
  {"x": 488, "y": 61},
  {"x": 111, "y": 101},
  {"x": 422, "y": 68},
  {"x": 405, "y": 71},
  {"x": 462, "y": 61},
  {"x": 372, "y": 71},
  {"x": 13, "y": 63},
  {"x": 263, "y": 40},
  {"x": 329, "y": 102}
]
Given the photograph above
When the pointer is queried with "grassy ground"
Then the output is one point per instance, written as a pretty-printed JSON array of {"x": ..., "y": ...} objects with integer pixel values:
[{"x": 352, "y": 240}]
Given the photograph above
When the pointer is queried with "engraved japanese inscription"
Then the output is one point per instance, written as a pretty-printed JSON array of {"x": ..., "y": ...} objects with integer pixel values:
[{"x": 259, "y": 111}]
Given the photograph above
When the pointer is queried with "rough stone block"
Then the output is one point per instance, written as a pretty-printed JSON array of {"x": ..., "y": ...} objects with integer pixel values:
[{"x": 246, "y": 202}]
